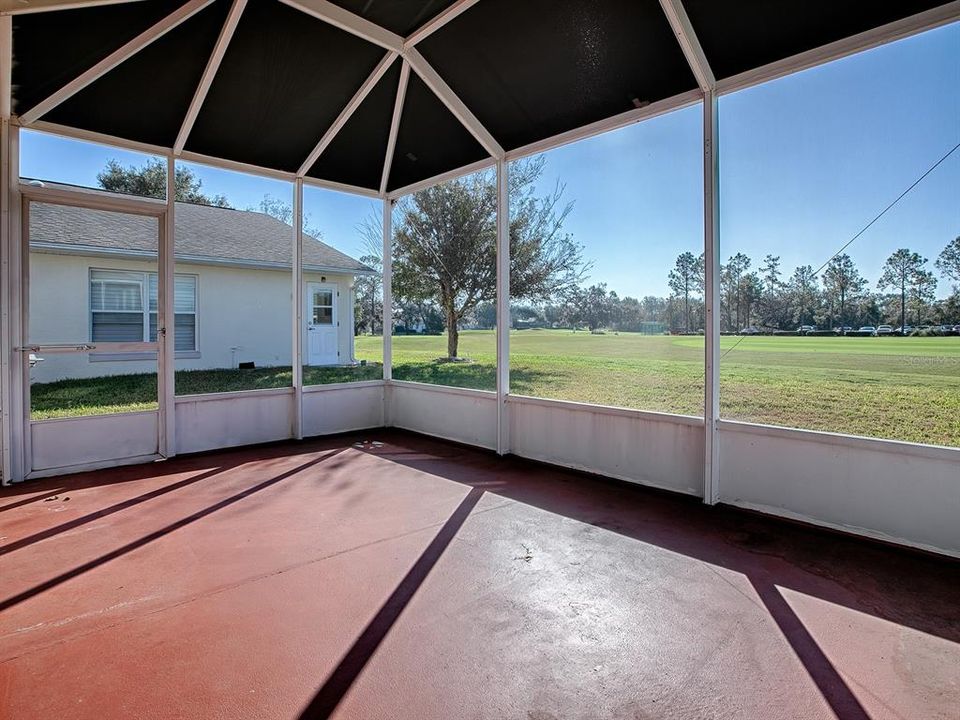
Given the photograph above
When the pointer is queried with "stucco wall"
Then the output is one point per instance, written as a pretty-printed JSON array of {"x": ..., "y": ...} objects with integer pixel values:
[{"x": 236, "y": 308}]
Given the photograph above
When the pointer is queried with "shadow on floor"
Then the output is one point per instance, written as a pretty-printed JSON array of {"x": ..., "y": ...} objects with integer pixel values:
[{"x": 865, "y": 576}]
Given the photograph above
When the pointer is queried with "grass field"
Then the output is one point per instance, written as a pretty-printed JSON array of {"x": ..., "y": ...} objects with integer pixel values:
[{"x": 899, "y": 388}]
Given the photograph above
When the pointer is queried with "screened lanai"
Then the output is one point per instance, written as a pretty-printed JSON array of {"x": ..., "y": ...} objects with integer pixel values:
[{"x": 468, "y": 535}]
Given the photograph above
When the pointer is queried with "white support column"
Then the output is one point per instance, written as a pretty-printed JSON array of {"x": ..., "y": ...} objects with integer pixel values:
[
  {"x": 297, "y": 308},
  {"x": 15, "y": 424},
  {"x": 387, "y": 289},
  {"x": 166, "y": 357},
  {"x": 387, "y": 322},
  {"x": 6, "y": 43},
  {"x": 503, "y": 306},
  {"x": 711, "y": 255}
]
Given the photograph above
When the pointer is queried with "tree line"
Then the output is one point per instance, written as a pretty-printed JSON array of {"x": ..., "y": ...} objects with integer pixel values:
[{"x": 836, "y": 295}]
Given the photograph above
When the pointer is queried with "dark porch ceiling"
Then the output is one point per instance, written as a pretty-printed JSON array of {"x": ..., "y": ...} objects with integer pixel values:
[{"x": 526, "y": 70}]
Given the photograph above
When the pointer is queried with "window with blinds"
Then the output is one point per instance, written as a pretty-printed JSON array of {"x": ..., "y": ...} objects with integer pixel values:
[{"x": 123, "y": 308}]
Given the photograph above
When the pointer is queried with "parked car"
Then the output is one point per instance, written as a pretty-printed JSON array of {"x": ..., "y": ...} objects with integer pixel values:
[
  {"x": 868, "y": 329},
  {"x": 804, "y": 329},
  {"x": 906, "y": 330},
  {"x": 884, "y": 330},
  {"x": 750, "y": 331}
]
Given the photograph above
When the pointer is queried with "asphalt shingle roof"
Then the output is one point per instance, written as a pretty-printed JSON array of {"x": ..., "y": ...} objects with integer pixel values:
[{"x": 203, "y": 233}]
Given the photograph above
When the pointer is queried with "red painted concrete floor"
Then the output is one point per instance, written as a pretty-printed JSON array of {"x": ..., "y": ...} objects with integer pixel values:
[{"x": 417, "y": 579}]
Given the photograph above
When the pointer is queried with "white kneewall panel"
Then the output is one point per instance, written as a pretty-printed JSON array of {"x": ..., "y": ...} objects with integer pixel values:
[
  {"x": 209, "y": 422},
  {"x": 67, "y": 442},
  {"x": 888, "y": 490},
  {"x": 467, "y": 416},
  {"x": 659, "y": 450},
  {"x": 329, "y": 409}
]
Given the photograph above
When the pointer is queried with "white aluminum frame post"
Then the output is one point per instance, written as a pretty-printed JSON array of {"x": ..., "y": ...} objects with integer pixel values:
[
  {"x": 503, "y": 306},
  {"x": 711, "y": 260},
  {"x": 386, "y": 283},
  {"x": 297, "y": 309},
  {"x": 166, "y": 333}
]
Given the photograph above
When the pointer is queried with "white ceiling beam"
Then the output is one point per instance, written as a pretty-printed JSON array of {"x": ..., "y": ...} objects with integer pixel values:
[
  {"x": 94, "y": 137},
  {"x": 26, "y": 7},
  {"x": 125, "y": 52},
  {"x": 395, "y": 126},
  {"x": 680, "y": 23},
  {"x": 347, "y": 112},
  {"x": 346, "y": 20},
  {"x": 454, "y": 104},
  {"x": 458, "y": 8},
  {"x": 213, "y": 64}
]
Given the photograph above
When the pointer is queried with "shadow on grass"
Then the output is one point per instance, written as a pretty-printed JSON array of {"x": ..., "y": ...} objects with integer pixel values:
[
  {"x": 125, "y": 393},
  {"x": 474, "y": 376}
]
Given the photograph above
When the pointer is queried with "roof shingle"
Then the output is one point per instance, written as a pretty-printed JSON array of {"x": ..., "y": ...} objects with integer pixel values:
[{"x": 203, "y": 233}]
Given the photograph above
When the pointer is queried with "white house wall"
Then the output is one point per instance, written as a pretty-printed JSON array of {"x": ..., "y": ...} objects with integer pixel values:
[{"x": 242, "y": 308}]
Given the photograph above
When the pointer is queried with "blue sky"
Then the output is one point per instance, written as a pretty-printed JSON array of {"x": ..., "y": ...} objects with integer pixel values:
[{"x": 806, "y": 162}]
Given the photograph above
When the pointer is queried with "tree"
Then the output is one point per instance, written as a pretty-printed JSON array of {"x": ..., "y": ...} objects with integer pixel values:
[
  {"x": 444, "y": 245},
  {"x": 774, "y": 309},
  {"x": 283, "y": 211},
  {"x": 731, "y": 275},
  {"x": 683, "y": 280},
  {"x": 949, "y": 260},
  {"x": 150, "y": 180},
  {"x": 803, "y": 291},
  {"x": 751, "y": 292},
  {"x": 924, "y": 293},
  {"x": 899, "y": 272},
  {"x": 368, "y": 293},
  {"x": 841, "y": 281}
]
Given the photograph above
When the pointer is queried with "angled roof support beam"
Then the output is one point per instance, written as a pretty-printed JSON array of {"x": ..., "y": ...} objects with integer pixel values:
[
  {"x": 680, "y": 23},
  {"x": 346, "y": 20},
  {"x": 19, "y": 7},
  {"x": 213, "y": 64},
  {"x": 454, "y": 104},
  {"x": 438, "y": 22},
  {"x": 125, "y": 52},
  {"x": 395, "y": 126},
  {"x": 347, "y": 112}
]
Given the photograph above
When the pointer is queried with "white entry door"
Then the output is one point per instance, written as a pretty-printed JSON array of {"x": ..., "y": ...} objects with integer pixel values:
[{"x": 322, "y": 324}]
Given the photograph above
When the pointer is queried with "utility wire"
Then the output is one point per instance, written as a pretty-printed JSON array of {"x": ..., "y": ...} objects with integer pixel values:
[
  {"x": 866, "y": 227},
  {"x": 850, "y": 242}
]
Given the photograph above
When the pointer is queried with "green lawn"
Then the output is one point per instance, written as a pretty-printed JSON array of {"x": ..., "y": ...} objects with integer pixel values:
[
  {"x": 900, "y": 388},
  {"x": 127, "y": 393}
]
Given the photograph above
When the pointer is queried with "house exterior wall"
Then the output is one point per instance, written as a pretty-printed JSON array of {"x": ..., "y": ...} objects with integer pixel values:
[{"x": 246, "y": 309}]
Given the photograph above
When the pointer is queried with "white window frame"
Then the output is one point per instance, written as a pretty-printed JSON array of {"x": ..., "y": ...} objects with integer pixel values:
[{"x": 142, "y": 277}]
